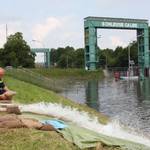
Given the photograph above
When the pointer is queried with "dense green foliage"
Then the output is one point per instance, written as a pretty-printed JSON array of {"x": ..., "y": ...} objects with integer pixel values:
[
  {"x": 69, "y": 57},
  {"x": 149, "y": 38},
  {"x": 119, "y": 56},
  {"x": 16, "y": 52}
]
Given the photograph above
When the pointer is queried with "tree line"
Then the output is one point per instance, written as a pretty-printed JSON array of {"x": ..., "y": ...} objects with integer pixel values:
[
  {"x": 69, "y": 57},
  {"x": 17, "y": 52}
]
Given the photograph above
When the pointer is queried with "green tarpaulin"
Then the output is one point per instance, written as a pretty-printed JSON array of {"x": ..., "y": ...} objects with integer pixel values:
[{"x": 85, "y": 138}]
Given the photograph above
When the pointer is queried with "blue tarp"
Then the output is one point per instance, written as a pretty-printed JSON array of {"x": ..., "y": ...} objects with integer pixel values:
[{"x": 57, "y": 124}]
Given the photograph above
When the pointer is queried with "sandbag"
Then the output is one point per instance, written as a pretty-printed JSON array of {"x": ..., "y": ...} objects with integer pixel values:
[
  {"x": 31, "y": 123},
  {"x": 10, "y": 121},
  {"x": 47, "y": 128},
  {"x": 8, "y": 117},
  {"x": 12, "y": 124},
  {"x": 13, "y": 109}
]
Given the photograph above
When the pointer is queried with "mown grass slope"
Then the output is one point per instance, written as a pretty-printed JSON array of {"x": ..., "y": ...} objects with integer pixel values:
[{"x": 31, "y": 139}]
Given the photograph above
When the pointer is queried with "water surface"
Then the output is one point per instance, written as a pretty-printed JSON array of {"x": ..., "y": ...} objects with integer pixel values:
[{"x": 126, "y": 101}]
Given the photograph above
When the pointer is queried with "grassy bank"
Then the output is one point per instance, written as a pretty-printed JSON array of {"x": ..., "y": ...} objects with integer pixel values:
[
  {"x": 30, "y": 139},
  {"x": 69, "y": 73}
]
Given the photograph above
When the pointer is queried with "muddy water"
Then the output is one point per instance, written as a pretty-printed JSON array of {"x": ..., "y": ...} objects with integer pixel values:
[{"x": 126, "y": 101}]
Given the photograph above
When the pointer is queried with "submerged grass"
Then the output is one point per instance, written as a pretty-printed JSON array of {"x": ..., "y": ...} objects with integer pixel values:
[
  {"x": 69, "y": 73},
  {"x": 53, "y": 79}
]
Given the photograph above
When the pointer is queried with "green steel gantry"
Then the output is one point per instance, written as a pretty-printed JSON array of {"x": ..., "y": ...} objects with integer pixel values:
[
  {"x": 46, "y": 52},
  {"x": 91, "y": 24}
]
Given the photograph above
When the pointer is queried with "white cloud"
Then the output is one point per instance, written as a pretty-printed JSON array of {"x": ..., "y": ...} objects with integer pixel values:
[
  {"x": 2, "y": 34},
  {"x": 11, "y": 29},
  {"x": 58, "y": 32},
  {"x": 41, "y": 30},
  {"x": 117, "y": 41}
]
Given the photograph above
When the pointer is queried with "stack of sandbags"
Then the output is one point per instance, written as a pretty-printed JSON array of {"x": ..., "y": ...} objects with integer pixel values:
[
  {"x": 13, "y": 109},
  {"x": 13, "y": 121},
  {"x": 10, "y": 121},
  {"x": 9, "y": 108},
  {"x": 3, "y": 105},
  {"x": 33, "y": 123}
]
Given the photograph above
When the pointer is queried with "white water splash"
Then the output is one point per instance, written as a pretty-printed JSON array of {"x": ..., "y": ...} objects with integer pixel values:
[{"x": 82, "y": 119}]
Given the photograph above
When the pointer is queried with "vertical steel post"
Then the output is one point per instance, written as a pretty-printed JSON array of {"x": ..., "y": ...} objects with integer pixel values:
[
  {"x": 140, "y": 39},
  {"x": 146, "y": 48},
  {"x": 48, "y": 58},
  {"x": 92, "y": 48}
]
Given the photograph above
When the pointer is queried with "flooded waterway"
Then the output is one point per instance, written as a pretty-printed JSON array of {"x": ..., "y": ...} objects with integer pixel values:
[{"x": 125, "y": 101}]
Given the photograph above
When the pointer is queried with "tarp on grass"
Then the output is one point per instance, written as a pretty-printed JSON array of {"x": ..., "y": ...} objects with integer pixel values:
[{"x": 85, "y": 138}]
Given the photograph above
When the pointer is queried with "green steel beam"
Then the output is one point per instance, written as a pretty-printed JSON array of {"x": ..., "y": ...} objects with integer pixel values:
[
  {"x": 90, "y": 31},
  {"x": 40, "y": 50}
]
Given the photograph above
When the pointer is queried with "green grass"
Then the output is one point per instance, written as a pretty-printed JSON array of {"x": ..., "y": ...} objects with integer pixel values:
[
  {"x": 35, "y": 78},
  {"x": 69, "y": 73},
  {"x": 30, "y": 139}
]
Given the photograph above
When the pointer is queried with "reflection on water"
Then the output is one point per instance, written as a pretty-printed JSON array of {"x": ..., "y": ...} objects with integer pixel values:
[
  {"x": 128, "y": 101},
  {"x": 144, "y": 90},
  {"x": 92, "y": 94}
]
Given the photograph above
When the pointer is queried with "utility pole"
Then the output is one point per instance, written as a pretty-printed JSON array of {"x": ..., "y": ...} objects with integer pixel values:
[
  {"x": 6, "y": 33},
  {"x": 106, "y": 61},
  {"x": 129, "y": 59},
  {"x": 67, "y": 61}
]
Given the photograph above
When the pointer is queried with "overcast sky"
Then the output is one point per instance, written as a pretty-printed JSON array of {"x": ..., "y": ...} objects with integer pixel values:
[{"x": 58, "y": 23}]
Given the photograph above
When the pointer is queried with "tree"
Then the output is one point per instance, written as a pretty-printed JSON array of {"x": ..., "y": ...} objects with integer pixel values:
[
  {"x": 16, "y": 52},
  {"x": 149, "y": 38},
  {"x": 119, "y": 56},
  {"x": 79, "y": 58},
  {"x": 66, "y": 57},
  {"x": 134, "y": 52},
  {"x": 1, "y": 56}
]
